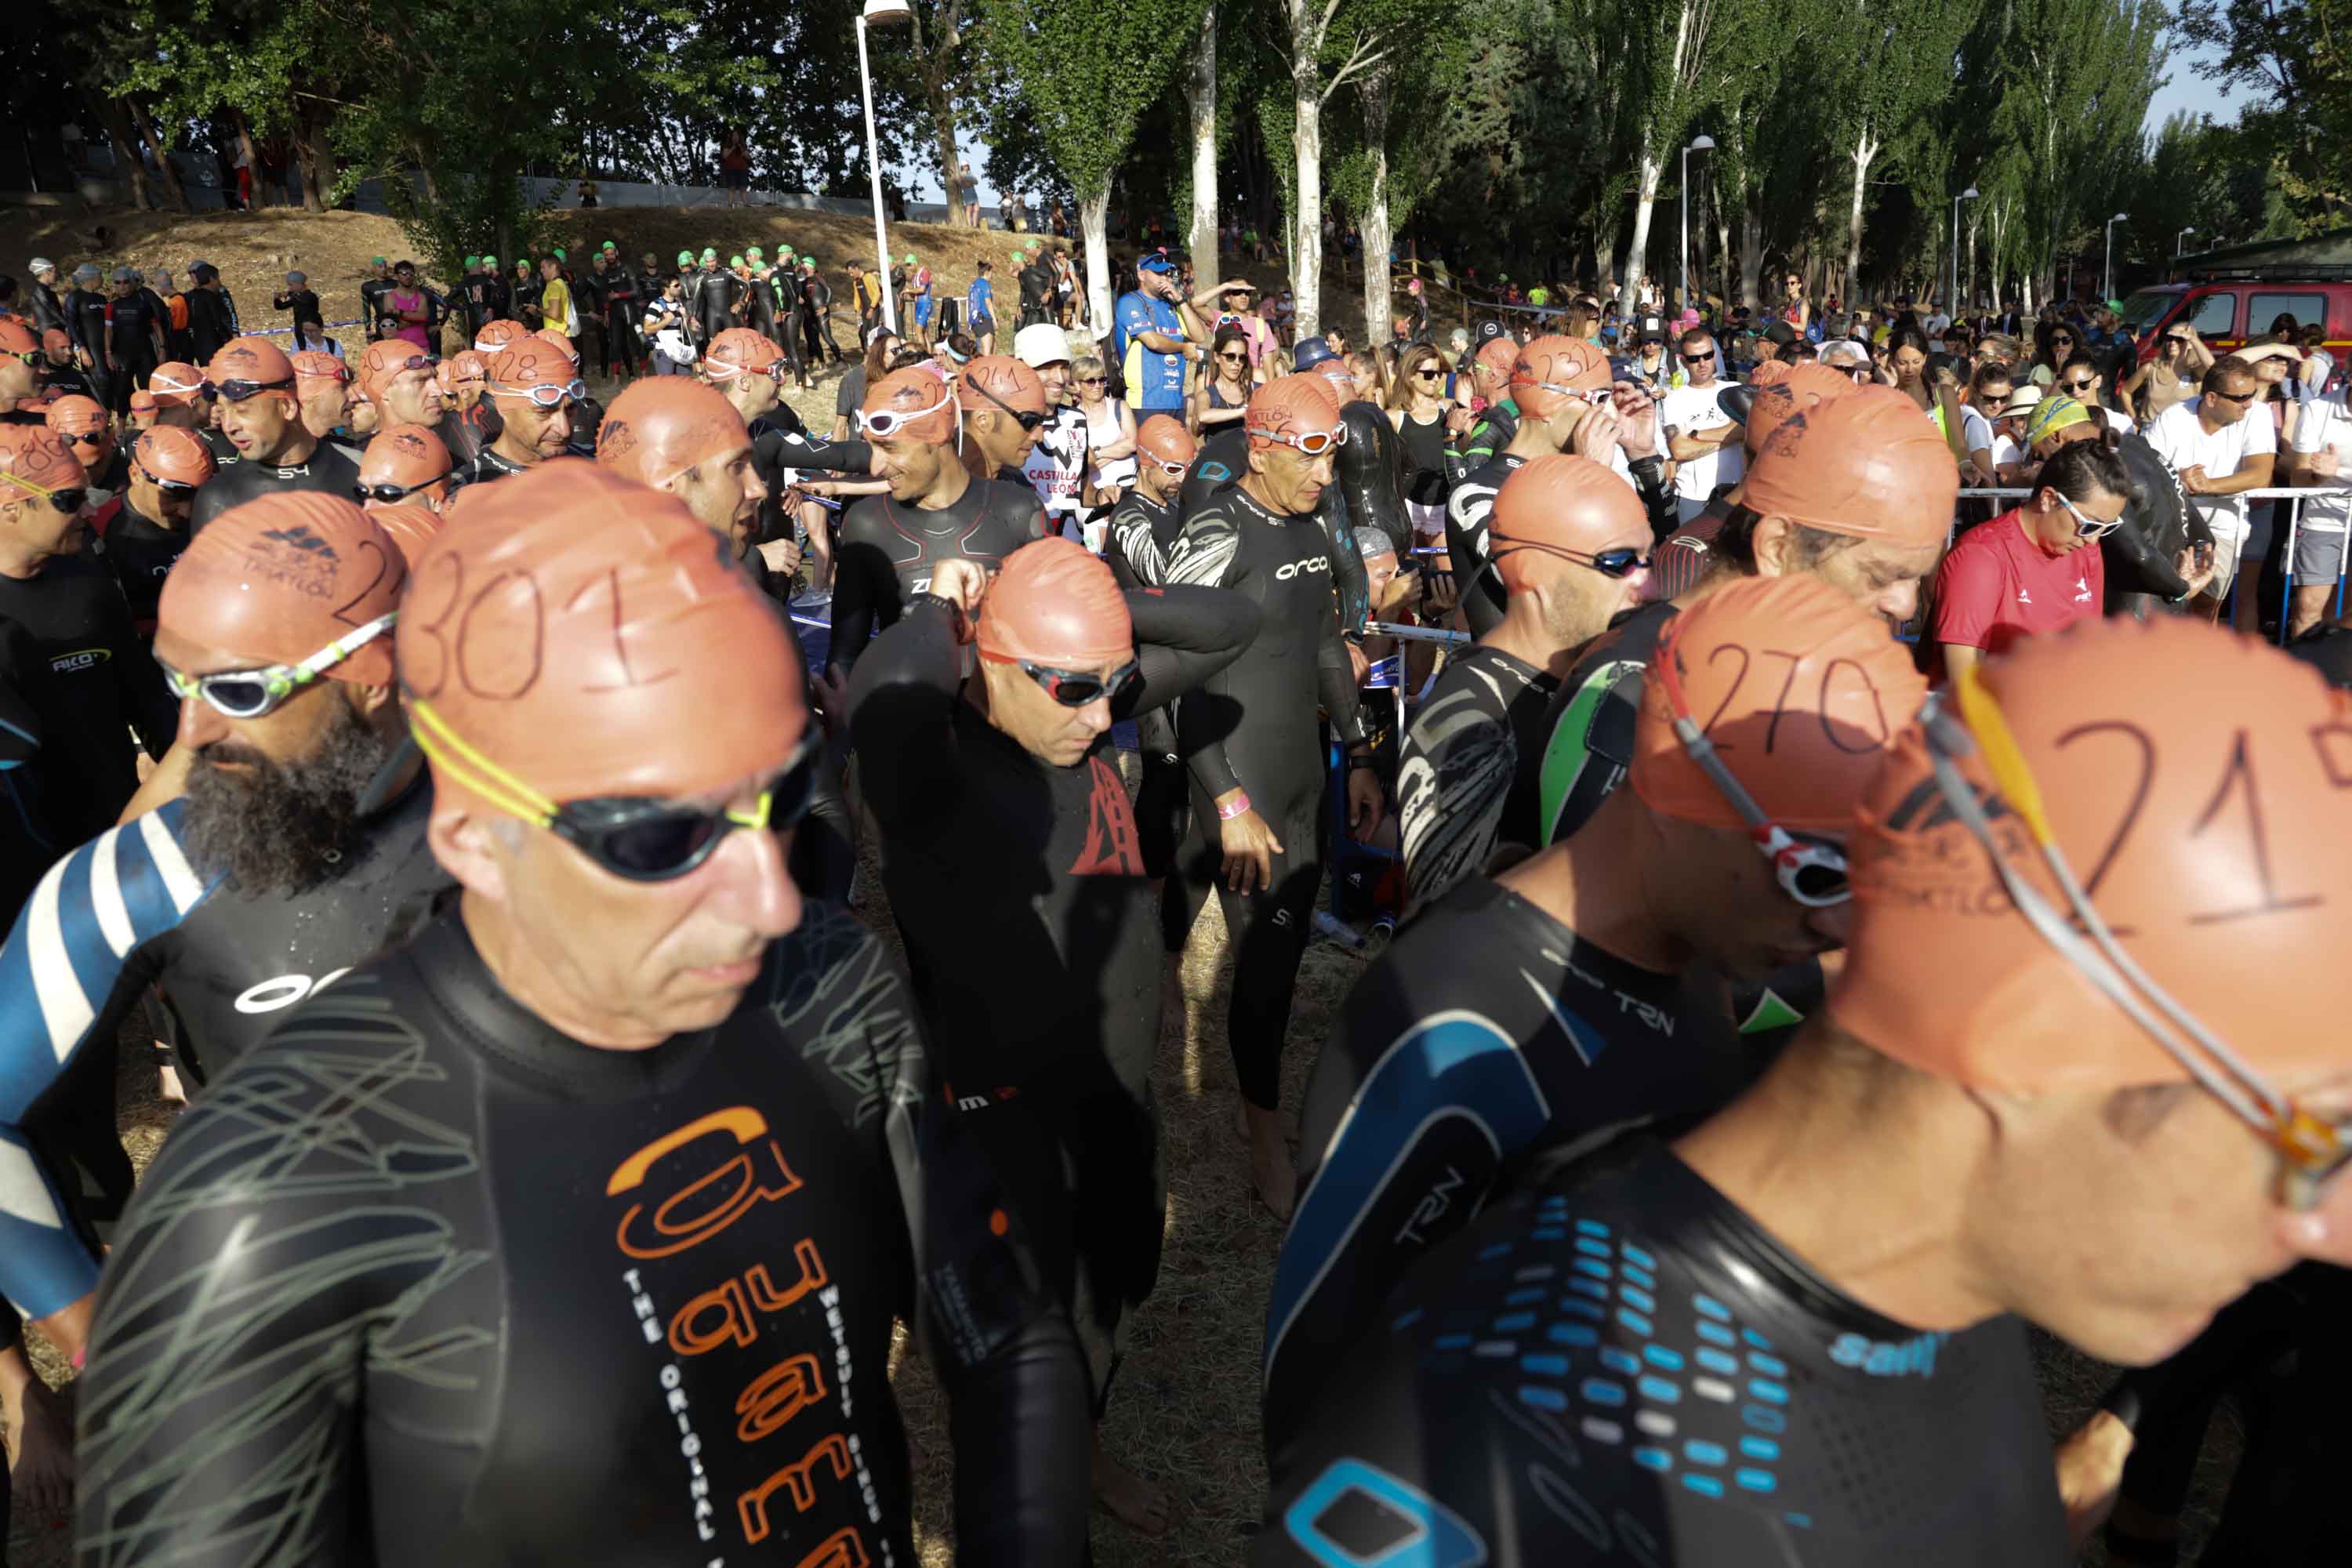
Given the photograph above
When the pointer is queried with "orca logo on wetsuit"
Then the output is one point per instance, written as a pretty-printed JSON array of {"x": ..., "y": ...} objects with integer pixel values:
[
  {"x": 1312, "y": 563},
  {"x": 270, "y": 996}
]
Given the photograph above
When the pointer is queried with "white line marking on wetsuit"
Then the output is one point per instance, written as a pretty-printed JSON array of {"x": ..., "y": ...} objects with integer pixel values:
[
  {"x": 64, "y": 1009},
  {"x": 180, "y": 878}
]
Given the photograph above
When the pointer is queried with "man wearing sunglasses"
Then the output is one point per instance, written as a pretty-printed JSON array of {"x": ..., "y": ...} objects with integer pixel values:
[
  {"x": 146, "y": 527},
  {"x": 96, "y": 678},
  {"x": 1582, "y": 989},
  {"x": 1251, "y": 742},
  {"x": 405, "y": 466},
  {"x": 533, "y": 386},
  {"x": 267, "y": 878},
  {"x": 1157, "y": 331},
  {"x": 1701, "y": 436},
  {"x": 85, "y": 426},
  {"x": 934, "y": 510},
  {"x": 2035, "y": 569},
  {"x": 2219, "y": 449},
  {"x": 1003, "y": 405},
  {"x": 22, "y": 362},
  {"x": 630, "y": 1141},
  {"x": 261, "y": 416},
  {"x": 1047, "y": 1017},
  {"x": 1570, "y": 544}
]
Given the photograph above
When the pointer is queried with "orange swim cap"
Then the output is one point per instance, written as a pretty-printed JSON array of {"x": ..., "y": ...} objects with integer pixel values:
[
  {"x": 918, "y": 395},
  {"x": 1167, "y": 439},
  {"x": 1772, "y": 372},
  {"x": 571, "y": 634},
  {"x": 1056, "y": 604},
  {"x": 1561, "y": 502},
  {"x": 73, "y": 414},
  {"x": 1867, "y": 464},
  {"x": 143, "y": 403},
  {"x": 563, "y": 345},
  {"x": 1801, "y": 689},
  {"x": 176, "y": 382},
  {"x": 1551, "y": 370},
  {"x": 383, "y": 360},
  {"x": 1798, "y": 388},
  {"x": 1293, "y": 405},
  {"x": 466, "y": 367},
  {"x": 252, "y": 359},
  {"x": 496, "y": 335},
  {"x": 531, "y": 362},
  {"x": 1498, "y": 353},
  {"x": 282, "y": 577},
  {"x": 1005, "y": 379},
  {"x": 2191, "y": 780},
  {"x": 315, "y": 364},
  {"x": 411, "y": 527},
  {"x": 662, "y": 425},
  {"x": 35, "y": 459},
  {"x": 740, "y": 351},
  {"x": 404, "y": 454},
  {"x": 16, "y": 338},
  {"x": 169, "y": 453}
]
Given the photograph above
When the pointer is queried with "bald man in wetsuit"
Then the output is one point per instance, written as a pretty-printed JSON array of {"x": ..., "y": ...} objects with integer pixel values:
[
  {"x": 636, "y": 1156},
  {"x": 935, "y": 510},
  {"x": 1003, "y": 797},
  {"x": 1250, "y": 740}
]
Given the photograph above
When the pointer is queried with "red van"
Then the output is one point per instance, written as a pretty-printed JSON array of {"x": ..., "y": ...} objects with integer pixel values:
[{"x": 2228, "y": 308}]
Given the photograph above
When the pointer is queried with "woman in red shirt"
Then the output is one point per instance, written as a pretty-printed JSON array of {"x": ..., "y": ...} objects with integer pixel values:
[{"x": 2036, "y": 569}]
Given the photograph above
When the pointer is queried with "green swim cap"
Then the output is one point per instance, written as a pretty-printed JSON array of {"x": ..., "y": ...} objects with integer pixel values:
[
  {"x": 710, "y": 254},
  {"x": 754, "y": 250},
  {"x": 686, "y": 259},
  {"x": 908, "y": 258},
  {"x": 375, "y": 262},
  {"x": 611, "y": 245},
  {"x": 472, "y": 262},
  {"x": 490, "y": 262},
  {"x": 560, "y": 255}
]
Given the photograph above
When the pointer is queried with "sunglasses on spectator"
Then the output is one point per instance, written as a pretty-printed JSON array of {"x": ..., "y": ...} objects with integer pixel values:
[
  {"x": 637, "y": 838},
  {"x": 255, "y": 693},
  {"x": 887, "y": 422},
  {"x": 547, "y": 394},
  {"x": 2247, "y": 397},
  {"x": 1022, "y": 417},
  {"x": 238, "y": 391},
  {"x": 1072, "y": 688},
  {"x": 1234, "y": 358},
  {"x": 1621, "y": 562},
  {"x": 2083, "y": 385},
  {"x": 391, "y": 494},
  {"x": 1698, "y": 359},
  {"x": 2088, "y": 527},
  {"x": 1315, "y": 443}
]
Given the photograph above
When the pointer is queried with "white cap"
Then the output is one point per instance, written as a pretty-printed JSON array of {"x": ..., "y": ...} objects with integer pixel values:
[{"x": 1039, "y": 345}]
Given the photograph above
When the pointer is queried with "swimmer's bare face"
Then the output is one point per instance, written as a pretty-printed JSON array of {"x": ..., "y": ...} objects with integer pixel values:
[
  {"x": 724, "y": 493},
  {"x": 1046, "y": 729},
  {"x": 912, "y": 469}
]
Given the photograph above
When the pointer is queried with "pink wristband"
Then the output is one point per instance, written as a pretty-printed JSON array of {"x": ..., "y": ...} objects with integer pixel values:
[{"x": 1227, "y": 813}]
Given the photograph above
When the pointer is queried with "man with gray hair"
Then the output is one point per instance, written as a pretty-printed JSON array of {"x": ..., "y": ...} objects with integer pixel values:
[
  {"x": 48, "y": 310},
  {"x": 1848, "y": 356}
]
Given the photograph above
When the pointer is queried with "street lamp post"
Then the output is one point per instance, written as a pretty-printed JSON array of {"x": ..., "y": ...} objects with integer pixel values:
[
  {"x": 878, "y": 13},
  {"x": 2177, "y": 238},
  {"x": 1957, "y": 306},
  {"x": 2107, "y": 277},
  {"x": 1682, "y": 283}
]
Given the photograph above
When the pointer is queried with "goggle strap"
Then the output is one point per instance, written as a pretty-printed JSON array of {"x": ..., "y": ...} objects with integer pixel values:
[
  {"x": 342, "y": 648},
  {"x": 474, "y": 770}
]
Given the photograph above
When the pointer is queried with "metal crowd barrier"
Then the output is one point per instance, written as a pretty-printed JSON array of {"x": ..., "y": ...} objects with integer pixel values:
[{"x": 2294, "y": 498}]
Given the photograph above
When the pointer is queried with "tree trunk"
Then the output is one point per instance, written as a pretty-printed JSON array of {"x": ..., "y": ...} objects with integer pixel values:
[
  {"x": 1201, "y": 100},
  {"x": 1306, "y": 240},
  {"x": 1094, "y": 223},
  {"x": 1751, "y": 253},
  {"x": 1372, "y": 224},
  {"x": 164, "y": 171},
  {"x": 1864, "y": 149},
  {"x": 1645, "y": 201},
  {"x": 943, "y": 124},
  {"x": 126, "y": 157},
  {"x": 1966, "y": 290},
  {"x": 317, "y": 160}
]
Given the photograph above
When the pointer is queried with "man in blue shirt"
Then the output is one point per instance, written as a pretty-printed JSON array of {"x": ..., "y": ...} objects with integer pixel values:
[
  {"x": 980, "y": 310},
  {"x": 1155, "y": 331}
]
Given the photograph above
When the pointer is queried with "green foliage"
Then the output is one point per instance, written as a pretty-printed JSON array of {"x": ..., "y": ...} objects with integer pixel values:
[{"x": 1085, "y": 74}]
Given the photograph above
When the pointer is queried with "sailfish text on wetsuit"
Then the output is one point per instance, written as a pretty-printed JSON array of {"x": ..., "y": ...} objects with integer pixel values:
[{"x": 676, "y": 1193}]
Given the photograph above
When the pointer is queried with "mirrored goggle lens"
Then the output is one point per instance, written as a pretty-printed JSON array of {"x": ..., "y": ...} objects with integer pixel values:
[
  {"x": 1818, "y": 883},
  {"x": 235, "y": 696},
  {"x": 665, "y": 844},
  {"x": 386, "y": 493},
  {"x": 238, "y": 391},
  {"x": 1619, "y": 563},
  {"x": 68, "y": 500},
  {"x": 1075, "y": 688}
]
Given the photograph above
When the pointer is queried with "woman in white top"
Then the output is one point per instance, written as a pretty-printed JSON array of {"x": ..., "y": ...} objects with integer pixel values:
[{"x": 1110, "y": 435}]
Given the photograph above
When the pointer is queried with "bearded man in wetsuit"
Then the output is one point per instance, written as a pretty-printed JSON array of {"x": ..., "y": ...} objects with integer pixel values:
[
  {"x": 1563, "y": 401},
  {"x": 1000, "y": 794},
  {"x": 261, "y": 417},
  {"x": 1250, "y": 740},
  {"x": 1004, "y": 410},
  {"x": 146, "y": 527},
  {"x": 1797, "y": 1341},
  {"x": 1584, "y": 986},
  {"x": 57, "y": 374},
  {"x": 1571, "y": 544},
  {"x": 648, "y": 1155},
  {"x": 935, "y": 510},
  {"x": 533, "y": 386},
  {"x": 276, "y": 870}
]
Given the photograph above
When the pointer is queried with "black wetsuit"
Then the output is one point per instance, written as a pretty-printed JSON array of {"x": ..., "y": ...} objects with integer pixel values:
[
  {"x": 139, "y": 323},
  {"x": 66, "y": 380},
  {"x": 620, "y": 320},
  {"x": 326, "y": 470},
  {"x": 224, "y": 455},
  {"x": 1488, "y": 1032},
  {"x": 103, "y": 682},
  {"x": 1467, "y": 776},
  {"x": 885, "y": 550},
  {"x": 466, "y": 431},
  {"x": 1030, "y": 922},
  {"x": 1370, "y": 478},
  {"x": 783, "y": 447},
  {"x": 212, "y": 322},
  {"x": 31, "y": 791},
  {"x": 1142, "y": 531},
  {"x": 710, "y": 303},
  {"x": 139, "y": 550},
  {"x": 1467, "y": 509},
  {"x": 1493, "y": 431},
  {"x": 230, "y": 966},
  {"x": 1253, "y": 726},
  {"x": 424, "y": 1280},
  {"x": 86, "y": 319},
  {"x": 48, "y": 310},
  {"x": 489, "y": 465},
  {"x": 1619, "y": 1367},
  {"x": 1223, "y": 459},
  {"x": 373, "y": 294}
]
